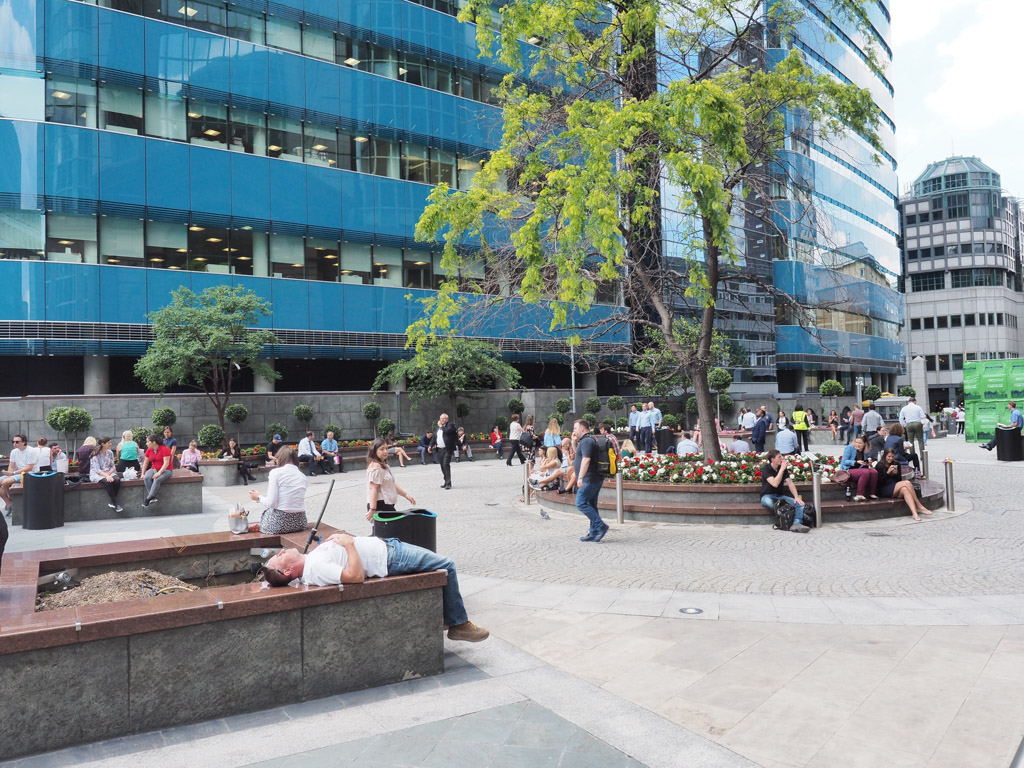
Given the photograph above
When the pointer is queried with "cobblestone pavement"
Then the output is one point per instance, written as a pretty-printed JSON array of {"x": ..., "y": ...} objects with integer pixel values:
[{"x": 485, "y": 529}]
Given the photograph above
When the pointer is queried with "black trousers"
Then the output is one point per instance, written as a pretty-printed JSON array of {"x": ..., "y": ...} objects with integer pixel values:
[
  {"x": 801, "y": 439},
  {"x": 515, "y": 449},
  {"x": 446, "y": 465},
  {"x": 4, "y": 533},
  {"x": 111, "y": 487}
]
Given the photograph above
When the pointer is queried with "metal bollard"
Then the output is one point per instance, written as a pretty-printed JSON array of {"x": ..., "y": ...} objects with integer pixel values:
[
  {"x": 950, "y": 498},
  {"x": 924, "y": 463},
  {"x": 816, "y": 495},
  {"x": 526, "y": 483},
  {"x": 620, "y": 514}
]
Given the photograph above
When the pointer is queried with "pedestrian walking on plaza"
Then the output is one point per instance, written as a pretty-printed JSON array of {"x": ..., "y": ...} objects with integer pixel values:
[
  {"x": 856, "y": 423},
  {"x": 634, "y": 423},
  {"x": 759, "y": 431},
  {"x": 381, "y": 489},
  {"x": 589, "y": 480},
  {"x": 446, "y": 443},
  {"x": 872, "y": 421},
  {"x": 644, "y": 425},
  {"x": 801, "y": 426},
  {"x": 961, "y": 419},
  {"x": 515, "y": 432},
  {"x": 912, "y": 417}
]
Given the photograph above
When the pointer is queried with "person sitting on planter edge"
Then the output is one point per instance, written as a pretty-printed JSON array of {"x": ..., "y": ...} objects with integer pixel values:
[{"x": 346, "y": 559}]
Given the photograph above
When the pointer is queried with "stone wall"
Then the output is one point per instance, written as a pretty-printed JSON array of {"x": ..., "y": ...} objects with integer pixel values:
[{"x": 112, "y": 414}]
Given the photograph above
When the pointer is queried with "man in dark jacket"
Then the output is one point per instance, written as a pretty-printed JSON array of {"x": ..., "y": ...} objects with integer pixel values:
[
  {"x": 757, "y": 434},
  {"x": 426, "y": 447},
  {"x": 445, "y": 443}
]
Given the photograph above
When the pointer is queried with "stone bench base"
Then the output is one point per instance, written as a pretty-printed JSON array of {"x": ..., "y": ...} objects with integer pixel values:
[{"x": 180, "y": 494}]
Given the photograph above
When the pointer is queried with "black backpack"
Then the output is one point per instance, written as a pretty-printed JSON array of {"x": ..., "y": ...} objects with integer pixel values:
[
  {"x": 784, "y": 515},
  {"x": 527, "y": 439},
  {"x": 605, "y": 459}
]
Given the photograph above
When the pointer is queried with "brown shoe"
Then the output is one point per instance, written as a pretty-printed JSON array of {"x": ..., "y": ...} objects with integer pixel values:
[{"x": 469, "y": 632}]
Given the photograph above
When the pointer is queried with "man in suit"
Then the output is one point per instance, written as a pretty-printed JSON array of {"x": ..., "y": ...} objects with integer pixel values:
[{"x": 445, "y": 443}]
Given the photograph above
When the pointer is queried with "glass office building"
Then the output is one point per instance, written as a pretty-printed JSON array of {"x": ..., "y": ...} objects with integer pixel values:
[
  {"x": 838, "y": 254},
  {"x": 285, "y": 146}
]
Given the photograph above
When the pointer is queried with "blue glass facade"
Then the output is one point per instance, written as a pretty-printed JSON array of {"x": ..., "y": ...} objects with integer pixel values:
[
  {"x": 286, "y": 146},
  {"x": 840, "y": 252}
]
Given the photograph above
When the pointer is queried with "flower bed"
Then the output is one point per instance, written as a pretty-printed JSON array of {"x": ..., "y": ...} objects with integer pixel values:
[{"x": 740, "y": 468}]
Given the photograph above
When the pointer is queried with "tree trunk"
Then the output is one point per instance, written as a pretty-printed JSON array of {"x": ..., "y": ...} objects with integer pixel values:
[{"x": 703, "y": 362}]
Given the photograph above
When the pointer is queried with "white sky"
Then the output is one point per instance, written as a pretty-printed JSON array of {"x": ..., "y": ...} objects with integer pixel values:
[{"x": 959, "y": 85}]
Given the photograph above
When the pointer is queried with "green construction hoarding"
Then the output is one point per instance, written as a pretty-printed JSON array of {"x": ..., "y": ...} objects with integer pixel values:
[{"x": 988, "y": 386}]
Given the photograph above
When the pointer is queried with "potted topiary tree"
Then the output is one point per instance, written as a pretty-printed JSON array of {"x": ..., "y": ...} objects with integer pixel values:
[
  {"x": 211, "y": 436},
  {"x": 385, "y": 427},
  {"x": 515, "y": 405},
  {"x": 304, "y": 414},
  {"x": 69, "y": 420},
  {"x": 593, "y": 405},
  {"x": 276, "y": 428},
  {"x": 563, "y": 405},
  {"x": 616, "y": 404},
  {"x": 872, "y": 392},
  {"x": 236, "y": 413},
  {"x": 907, "y": 391},
  {"x": 720, "y": 380},
  {"x": 164, "y": 417}
]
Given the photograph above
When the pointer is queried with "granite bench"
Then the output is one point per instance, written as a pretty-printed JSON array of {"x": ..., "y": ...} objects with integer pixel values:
[{"x": 180, "y": 494}]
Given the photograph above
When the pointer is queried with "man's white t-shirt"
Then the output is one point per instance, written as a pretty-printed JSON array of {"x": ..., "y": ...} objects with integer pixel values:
[
  {"x": 515, "y": 430},
  {"x": 325, "y": 563},
  {"x": 749, "y": 419},
  {"x": 308, "y": 448},
  {"x": 439, "y": 436},
  {"x": 23, "y": 457}
]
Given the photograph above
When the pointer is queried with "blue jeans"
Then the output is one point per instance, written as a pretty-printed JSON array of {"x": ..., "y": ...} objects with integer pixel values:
[
  {"x": 768, "y": 500},
  {"x": 423, "y": 454},
  {"x": 406, "y": 558},
  {"x": 586, "y": 502}
]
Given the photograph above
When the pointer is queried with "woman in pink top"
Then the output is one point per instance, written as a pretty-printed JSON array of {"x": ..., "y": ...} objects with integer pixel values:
[{"x": 381, "y": 489}]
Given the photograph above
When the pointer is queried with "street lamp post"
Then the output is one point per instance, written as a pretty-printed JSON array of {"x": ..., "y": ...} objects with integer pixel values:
[{"x": 859, "y": 382}]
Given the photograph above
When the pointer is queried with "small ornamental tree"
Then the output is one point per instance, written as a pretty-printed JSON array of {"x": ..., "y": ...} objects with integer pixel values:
[
  {"x": 332, "y": 428},
  {"x": 669, "y": 421},
  {"x": 164, "y": 417},
  {"x": 563, "y": 405},
  {"x": 236, "y": 413},
  {"x": 501, "y": 422},
  {"x": 557, "y": 417},
  {"x": 907, "y": 391},
  {"x": 872, "y": 392},
  {"x": 590, "y": 418},
  {"x": 720, "y": 380},
  {"x": 462, "y": 410},
  {"x": 69, "y": 420},
  {"x": 211, "y": 436},
  {"x": 515, "y": 405},
  {"x": 371, "y": 411},
  {"x": 593, "y": 405},
  {"x": 385, "y": 427},
  {"x": 276, "y": 428},
  {"x": 139, "y": 435},
  {"x": 830, "y": 388},
  {"x": 303, "y": 413},
  {"x": 622, "y": 422},
  {"x": 615, "y": 404}
]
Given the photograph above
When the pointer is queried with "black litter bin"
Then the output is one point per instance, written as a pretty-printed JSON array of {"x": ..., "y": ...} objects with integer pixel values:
[
  {"x": 43, "y": 501},
  {"x": 413, "y": 526},
  {"x": 664, "y": 438},
  {"x": 1008, "y": 445}
]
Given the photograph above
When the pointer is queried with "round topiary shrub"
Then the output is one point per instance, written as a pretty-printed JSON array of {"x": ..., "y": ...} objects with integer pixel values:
[
  {"x": 55, "y": 418},
  {"x": 501, "y": 422},
  {"x": 371, "y": 411},
  {"x": 557, "y": 417},
  {"x": 210, "y": 436},
  {"x": 515, "y": 405},
  {"x": 462, "y": 410},
  {"x": 907, "y": 391},
  {"x": 593, "y": 405},
  {"x": 385, "y": 427},
  {"x": 276, "y": 428},
  {"x": 872, "y": 392},
  {"x": 590, "y": 418},
  {"x": 726, "y": 403},
  {"x": 830, "y": 388},
  {"x": 622, "y": 422},
  {"x": 236, "y": 413},
  {"x": 303, "y": 413},
  {"x": 139, "y": 435},
  {"x": 691, "y": 404},
  {"x": 332, "y": 428},
  {"x": 563, "y": 405},
  {"x": 668, "y": 420},
  {"x": 615, "y": 403},
  {"x": 164, "y": 417},
  {"x": 719, "y": 379}
]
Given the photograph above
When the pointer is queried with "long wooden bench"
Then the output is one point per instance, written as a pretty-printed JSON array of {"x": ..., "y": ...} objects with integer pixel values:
[{"x": 180, "y": 494}]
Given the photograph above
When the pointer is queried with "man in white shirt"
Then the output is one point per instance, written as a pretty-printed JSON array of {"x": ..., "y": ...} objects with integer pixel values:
[
  {"x": 346, "y": 559},
  {"x": 686, "y": 446},
  {"x": 912, "y": 418},
  {"x": 308, "y": 454},
  {"x": 749, "y": 419},
  {"x": 23, "y": 459},
  {"x": 739, "y": 446}
]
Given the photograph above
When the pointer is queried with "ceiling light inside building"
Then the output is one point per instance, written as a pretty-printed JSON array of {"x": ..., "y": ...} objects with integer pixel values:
[
  {"x": 274, "y": 148},
  {"x": 215, "y": 240},
  {"x": 194, "y": 115},
  {"x": 330, "y": 256},
  {"x": 351, "y": 61},
  {"x": 198, "y": 258},
  {"x": 230, "y": 250},
  {"x": 211, "y": 132},
  {"x": 419, "y": 263},
  {"x": 195, "y": 228},
  {"x": 174, "y": 266},
  {"x": 182, "y": 250},
  {"x": 61, "y": 95},
  {"x": 113, "y": 261},
  {"x": 245, "y": 258},
  {"x": 402, "y": 70},
  {"x": 157, "y": 260},
  {"x": 319, "y": 147},
  {"x": 66, "y": 242},
  {"x": 297, "y": 266},
  {"x": 187, "y": 11},
  {"x": 361, "y": 139},
  {"x": 533, "y": 40}
]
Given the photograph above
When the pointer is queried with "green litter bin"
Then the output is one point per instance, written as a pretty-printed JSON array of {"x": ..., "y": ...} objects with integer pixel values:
[{"x": 413, "y": 526}]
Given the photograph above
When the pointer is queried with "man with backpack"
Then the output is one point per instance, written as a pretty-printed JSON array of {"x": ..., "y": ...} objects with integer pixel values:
[
  {"x": 589, "y": 478},
  {"x": 777, "y": 485}
]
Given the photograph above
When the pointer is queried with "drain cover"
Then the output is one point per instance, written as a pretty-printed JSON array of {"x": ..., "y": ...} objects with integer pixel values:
[{"x": 691, "y": 611}]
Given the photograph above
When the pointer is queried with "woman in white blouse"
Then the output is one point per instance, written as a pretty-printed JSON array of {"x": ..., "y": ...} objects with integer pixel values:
[
  {"x": 381, "y": 489},
  {"x": 286, "y": 496}
]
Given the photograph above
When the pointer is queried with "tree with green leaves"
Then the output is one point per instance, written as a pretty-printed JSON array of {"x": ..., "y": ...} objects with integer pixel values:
[
  {"x": 450, "y": 368},
  {"x": 203, "y": 341},
  {"x": 639, "y": 96}
]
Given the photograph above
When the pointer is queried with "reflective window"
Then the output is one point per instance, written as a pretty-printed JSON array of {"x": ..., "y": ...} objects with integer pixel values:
[
  {"x": 248, "y": 132},
  {"x": 442, "y": 167},
  {"x": 212, "y": 18},
  {"x": 71, "y": 238},
  {"x": 468, "y": 168},
  {"x": 120, "y": 109},
  {"x": 22, "y": 95},
  {"x": 166, "y": 244},
  {"x": 71, "y": 101},
  {"x": 382, "y": 159},
  {"x": 284, "y": 138},
  {"x": 282, "y": 33},
  {"x": 415, "y": 162},
  {"x": 355, "y": 263},
  {"x": 246, "y": 25},
  {"x": 387, "y": 265},
  {"x": 165, "y": 116},
  {"x": 321, "y": 145},
  {"x": 351, "y": 149},
  {"x": 122, "y": 241},
  {"x": 416, "y": 266},
  {"x": 287, "y": 256},
  {"x": 209, "y": 250},
  {"x": 318, "y": 43},
  {"x": 21, "y": 234},
  {"x": 322, "y": 259},
  {"x": 207, "y": 124}
]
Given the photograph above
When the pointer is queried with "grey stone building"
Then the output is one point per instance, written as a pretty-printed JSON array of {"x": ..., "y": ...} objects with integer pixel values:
[{"x": 961, "y": 245}]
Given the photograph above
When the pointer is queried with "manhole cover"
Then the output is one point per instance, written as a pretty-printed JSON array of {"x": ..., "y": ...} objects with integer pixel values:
[
  {"x": 876, "y": 533},
  {"x": 690, "y": 611}
]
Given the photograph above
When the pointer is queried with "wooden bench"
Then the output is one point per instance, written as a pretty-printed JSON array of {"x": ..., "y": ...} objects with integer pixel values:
[{"x": 180, "y": 494}]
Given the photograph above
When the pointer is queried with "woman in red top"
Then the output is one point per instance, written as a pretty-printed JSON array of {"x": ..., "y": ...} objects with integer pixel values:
[{"x": 156, "y": 467}]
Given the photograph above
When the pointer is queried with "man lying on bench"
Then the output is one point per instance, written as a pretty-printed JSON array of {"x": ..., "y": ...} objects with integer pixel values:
[{"x": 346, "y": 559}]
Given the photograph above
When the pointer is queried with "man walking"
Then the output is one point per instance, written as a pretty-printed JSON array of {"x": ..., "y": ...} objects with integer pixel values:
[
  {"x": 643, "y": 425},
  {"x": 872, "y": 421},
  {"x": 912, "y": 417},
  {"x": 589, "y": 480},
  {"x": 856, "y": 419},
  {"x": 446, "y": 443},
  {"x": 634, "y": 421},
  {"x": 759, "y": 431}
]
